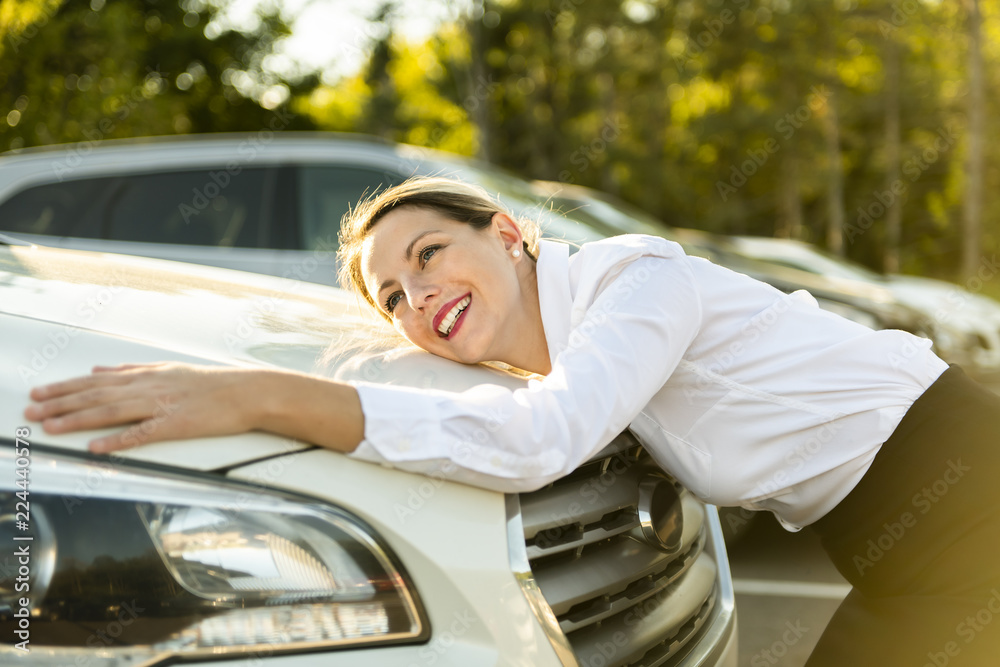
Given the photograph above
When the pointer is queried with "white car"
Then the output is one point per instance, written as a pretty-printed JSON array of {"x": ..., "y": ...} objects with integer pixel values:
[
  {"x": 263, "y": 202},
  {"x": 291, "y": 555}
]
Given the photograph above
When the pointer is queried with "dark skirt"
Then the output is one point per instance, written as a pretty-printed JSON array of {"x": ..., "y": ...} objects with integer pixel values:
[{"x": 919, "y": 539}]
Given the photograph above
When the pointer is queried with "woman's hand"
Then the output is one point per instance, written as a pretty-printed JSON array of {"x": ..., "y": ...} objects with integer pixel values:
[{"x": 164, "y": 401}]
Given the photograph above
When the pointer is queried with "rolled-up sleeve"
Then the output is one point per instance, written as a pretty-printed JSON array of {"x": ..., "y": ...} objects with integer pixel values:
[{"x": 626, "y": 340}]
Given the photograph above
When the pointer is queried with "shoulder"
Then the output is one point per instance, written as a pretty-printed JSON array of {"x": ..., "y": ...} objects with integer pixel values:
[
  {"x": 629, "y": 257},
  {"x": 633, "y": 244},
  {"x": 616, "y": 252}
]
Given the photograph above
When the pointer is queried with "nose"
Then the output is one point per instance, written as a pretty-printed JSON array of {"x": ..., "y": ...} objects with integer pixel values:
[{"x": 419, "y": 293}]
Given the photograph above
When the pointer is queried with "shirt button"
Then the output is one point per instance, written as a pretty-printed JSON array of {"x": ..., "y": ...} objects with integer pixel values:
[
  {"x": 496, "y": 462},
  {"x": 404, "y": 445}
]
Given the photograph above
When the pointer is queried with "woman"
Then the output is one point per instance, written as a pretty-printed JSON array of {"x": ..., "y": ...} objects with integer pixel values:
[{"x": 748, "y": 396}]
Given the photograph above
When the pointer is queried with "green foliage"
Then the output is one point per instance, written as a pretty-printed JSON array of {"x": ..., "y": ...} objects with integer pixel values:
[
  {"x": 739, "y": 116},
  {"x": 82, "y": 72},
  {"x": 712, "y": 114}
]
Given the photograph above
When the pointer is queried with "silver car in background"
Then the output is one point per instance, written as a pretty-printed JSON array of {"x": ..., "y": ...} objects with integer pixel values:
[{"x": 264, "y": 203}]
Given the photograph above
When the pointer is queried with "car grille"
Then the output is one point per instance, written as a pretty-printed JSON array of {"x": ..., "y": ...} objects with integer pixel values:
[{"x": 617, "y": 599}]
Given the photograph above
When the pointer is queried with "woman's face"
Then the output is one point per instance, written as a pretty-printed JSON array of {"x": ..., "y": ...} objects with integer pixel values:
[{"x": 449, "y": 288}]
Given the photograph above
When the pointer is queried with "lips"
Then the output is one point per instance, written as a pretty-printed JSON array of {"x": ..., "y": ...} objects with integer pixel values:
[{"x": 447, "y": 318}]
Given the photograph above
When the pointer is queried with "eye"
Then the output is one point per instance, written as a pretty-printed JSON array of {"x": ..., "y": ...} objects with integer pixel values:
[
  {"x": 427, "y": 253},
  {"x": 390, "y": 303}
]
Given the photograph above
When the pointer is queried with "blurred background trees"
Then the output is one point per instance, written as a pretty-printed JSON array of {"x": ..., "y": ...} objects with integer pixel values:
[{"x": 864, "y": 126}]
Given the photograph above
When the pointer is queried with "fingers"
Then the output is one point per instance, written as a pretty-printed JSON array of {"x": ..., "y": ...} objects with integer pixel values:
[
  {"x": 75, "y": 385},
  {"x": 98, "y": 416},
  {"x": 145, "y": 397},
  {"x": 124, "y": 367},
  {"x": 92, "y": 401},
  {"x": 138, "y": 434},
  {"x": 86, "y": 397}
]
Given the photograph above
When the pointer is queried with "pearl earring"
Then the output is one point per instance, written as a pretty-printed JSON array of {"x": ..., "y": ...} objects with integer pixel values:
[{"x": 516, "y": 253}]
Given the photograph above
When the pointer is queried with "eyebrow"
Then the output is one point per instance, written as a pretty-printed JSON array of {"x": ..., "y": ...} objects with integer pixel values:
[{"x": 406, "y": 257}]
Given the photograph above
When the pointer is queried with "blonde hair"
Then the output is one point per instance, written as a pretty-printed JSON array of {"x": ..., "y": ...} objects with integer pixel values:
[{"x": 457, "y": 201}]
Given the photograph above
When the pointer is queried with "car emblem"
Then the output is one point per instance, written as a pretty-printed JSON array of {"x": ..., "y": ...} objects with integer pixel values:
[{"x": 661, "y": 515}]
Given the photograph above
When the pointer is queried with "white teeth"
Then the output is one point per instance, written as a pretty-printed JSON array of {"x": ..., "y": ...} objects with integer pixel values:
[{"x": 449, "y": 320}]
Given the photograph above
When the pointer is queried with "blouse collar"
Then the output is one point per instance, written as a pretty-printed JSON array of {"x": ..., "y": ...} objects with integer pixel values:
[{"x": 554, "y": 294}]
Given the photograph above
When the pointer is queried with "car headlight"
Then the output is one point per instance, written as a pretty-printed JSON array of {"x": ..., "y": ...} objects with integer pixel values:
[{"x": 117, "y": 565}]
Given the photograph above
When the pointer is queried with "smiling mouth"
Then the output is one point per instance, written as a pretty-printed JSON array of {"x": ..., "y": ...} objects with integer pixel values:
[{"x": 448, "y": 323}]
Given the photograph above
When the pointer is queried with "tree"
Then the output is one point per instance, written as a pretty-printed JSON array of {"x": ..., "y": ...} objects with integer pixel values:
[
  {"x": 83, "y": 72},
  {"x": 972, "y": 209}
]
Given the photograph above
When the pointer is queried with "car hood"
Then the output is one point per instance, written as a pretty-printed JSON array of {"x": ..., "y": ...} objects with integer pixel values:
[{"x": 63, "y": 312}]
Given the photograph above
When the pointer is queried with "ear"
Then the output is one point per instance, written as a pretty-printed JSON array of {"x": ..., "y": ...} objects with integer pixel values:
[{"x": 508, "y": 231}]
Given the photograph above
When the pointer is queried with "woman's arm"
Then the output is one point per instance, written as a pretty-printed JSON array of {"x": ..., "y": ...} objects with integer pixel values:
[
  {"x": 171, "y": 401},
  {"x": 635, "y": 315}
]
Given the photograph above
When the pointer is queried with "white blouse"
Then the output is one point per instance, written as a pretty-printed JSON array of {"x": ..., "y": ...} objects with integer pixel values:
[{"x": 746, "y": 395}]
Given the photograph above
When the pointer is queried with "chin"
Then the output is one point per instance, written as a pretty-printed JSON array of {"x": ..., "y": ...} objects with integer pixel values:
[{"x": 464, "y": 356}]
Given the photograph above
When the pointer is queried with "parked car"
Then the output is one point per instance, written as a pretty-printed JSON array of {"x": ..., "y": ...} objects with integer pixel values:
[
  {"x": 920, "y": 306},
  {"x": 965, "y": 325},
  {"x": 256, "y": 203},
  {"x": 289, "y": 554}
]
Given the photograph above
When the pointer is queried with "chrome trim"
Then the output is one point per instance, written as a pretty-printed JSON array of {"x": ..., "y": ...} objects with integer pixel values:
[
  {"x": 659, "y": 629},
  {"x": 704, "y": 637},
  {"x": 522, "y": 572},
  {"x": 660, "y": 513},
  {"x": 709, "y": 647}
]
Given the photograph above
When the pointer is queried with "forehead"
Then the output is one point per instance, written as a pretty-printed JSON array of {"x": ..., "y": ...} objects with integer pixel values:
[{"x": 385, "y": 246}]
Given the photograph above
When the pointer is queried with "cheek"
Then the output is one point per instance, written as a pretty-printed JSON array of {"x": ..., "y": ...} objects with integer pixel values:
[{"x": 412, "y": 332}]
